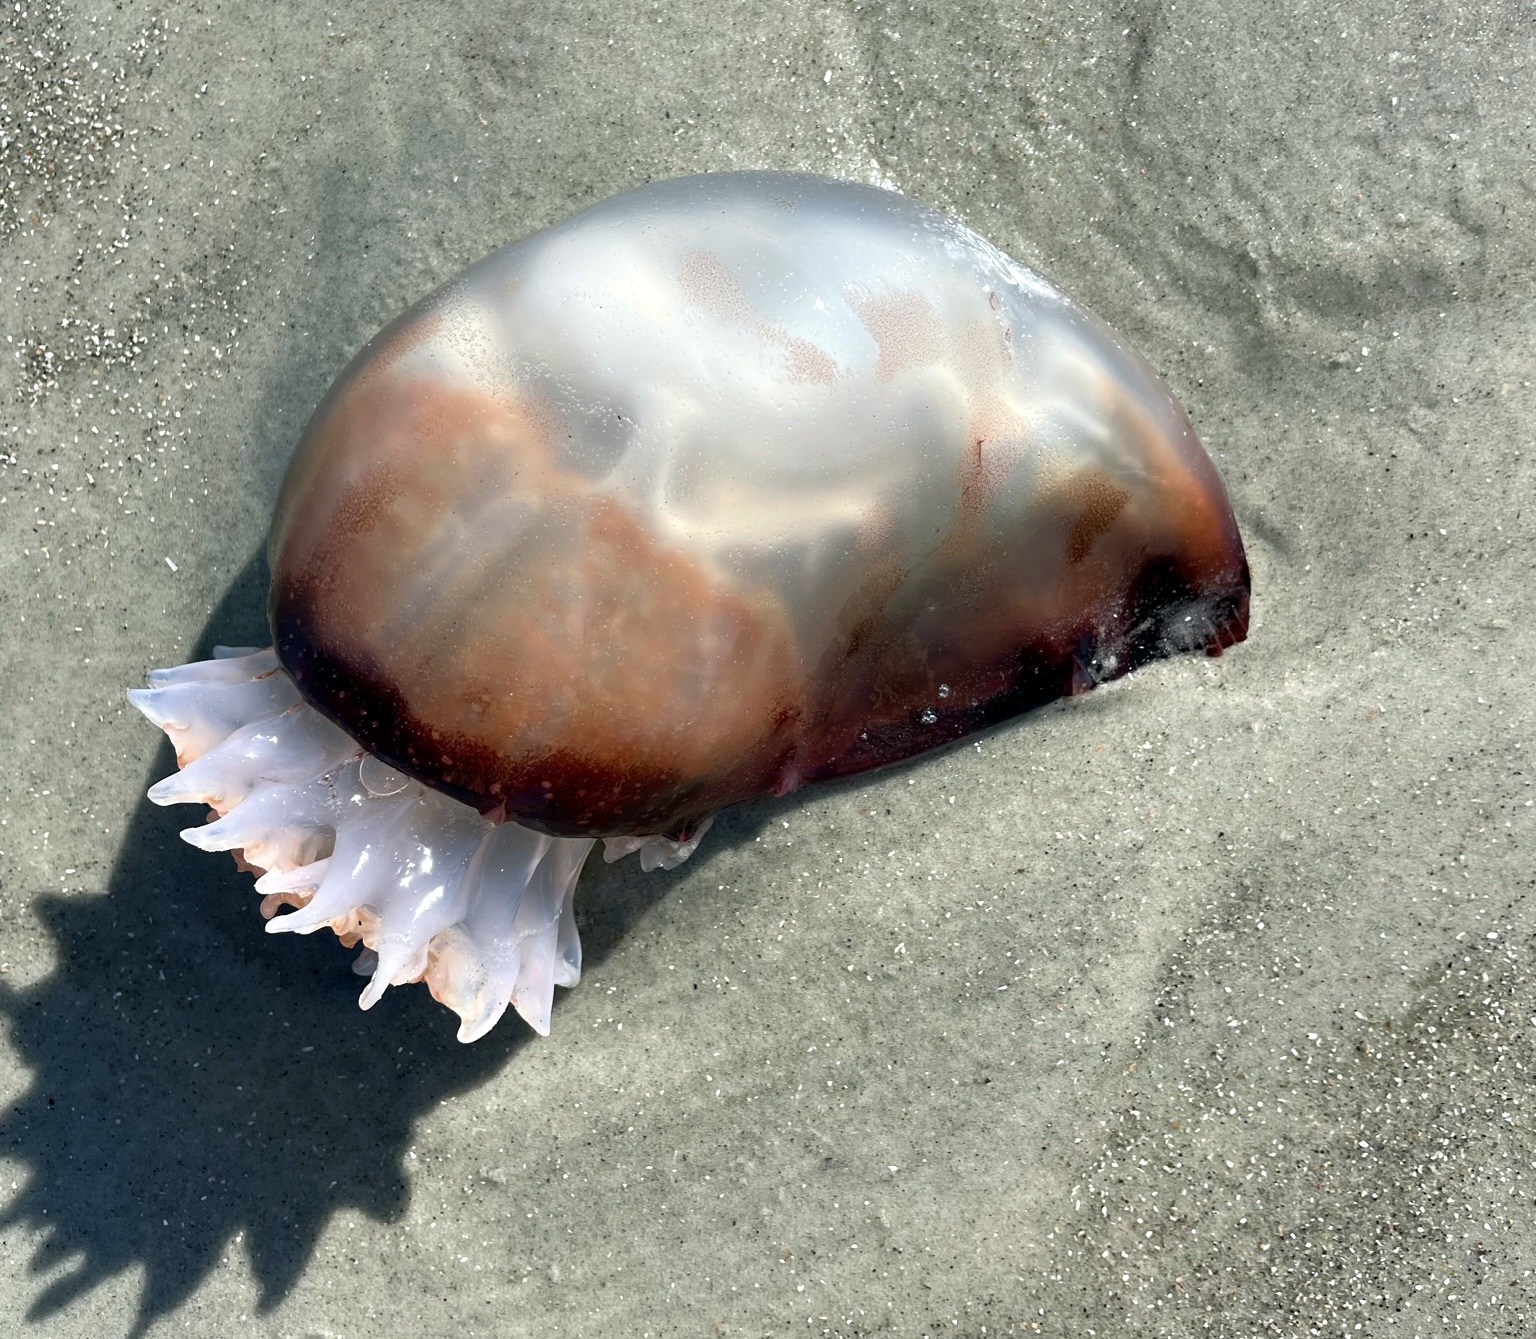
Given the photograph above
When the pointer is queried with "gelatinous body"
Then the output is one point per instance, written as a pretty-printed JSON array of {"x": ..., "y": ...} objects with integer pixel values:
[
  {"x": 715, "y": 488},
  {"x": 727, "y": 484}
]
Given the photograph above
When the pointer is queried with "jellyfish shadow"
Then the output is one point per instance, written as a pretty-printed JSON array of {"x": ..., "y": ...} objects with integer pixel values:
[{"x": 194, "y": 1080}]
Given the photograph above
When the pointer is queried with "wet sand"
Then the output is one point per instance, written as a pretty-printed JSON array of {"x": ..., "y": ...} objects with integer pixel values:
[{"x": 1201, "y": 1004}]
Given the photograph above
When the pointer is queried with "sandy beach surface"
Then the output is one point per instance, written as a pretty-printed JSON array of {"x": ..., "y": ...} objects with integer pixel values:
[{"x": 1201, "y": 1005}]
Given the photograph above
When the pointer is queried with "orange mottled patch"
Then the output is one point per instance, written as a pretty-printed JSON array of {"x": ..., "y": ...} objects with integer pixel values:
[
  {"x": 809, "y": 362},
  {"x": 1099, "y": 500},
  {"x": 908, "y": 333},
  {"x": 707, "y": 282}
]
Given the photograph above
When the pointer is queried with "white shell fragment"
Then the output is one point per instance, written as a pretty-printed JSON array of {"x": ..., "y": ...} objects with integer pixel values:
[{"x": 480, "y": 911}]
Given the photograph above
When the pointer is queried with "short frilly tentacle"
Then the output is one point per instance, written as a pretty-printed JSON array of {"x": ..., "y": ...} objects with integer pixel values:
[
  {"x": 291, "y": 748},
  {"x": 198, "y": 711},
  {"x": 656, "y": 852},
  {"x": 482, "y": 912}
]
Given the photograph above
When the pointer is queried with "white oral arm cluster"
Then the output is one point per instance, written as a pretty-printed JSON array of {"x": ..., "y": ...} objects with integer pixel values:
[{"x": 480, "y": 911}]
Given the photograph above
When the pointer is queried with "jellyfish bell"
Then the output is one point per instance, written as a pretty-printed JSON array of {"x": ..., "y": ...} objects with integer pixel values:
[{"x": 724, "y": 485}]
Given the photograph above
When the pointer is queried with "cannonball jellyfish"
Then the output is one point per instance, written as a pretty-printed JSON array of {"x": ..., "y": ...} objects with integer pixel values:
[{"x": 721, "y": 486}]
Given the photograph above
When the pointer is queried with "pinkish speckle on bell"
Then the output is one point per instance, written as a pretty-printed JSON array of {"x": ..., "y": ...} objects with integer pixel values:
[{"x": 724, "y": 485}]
